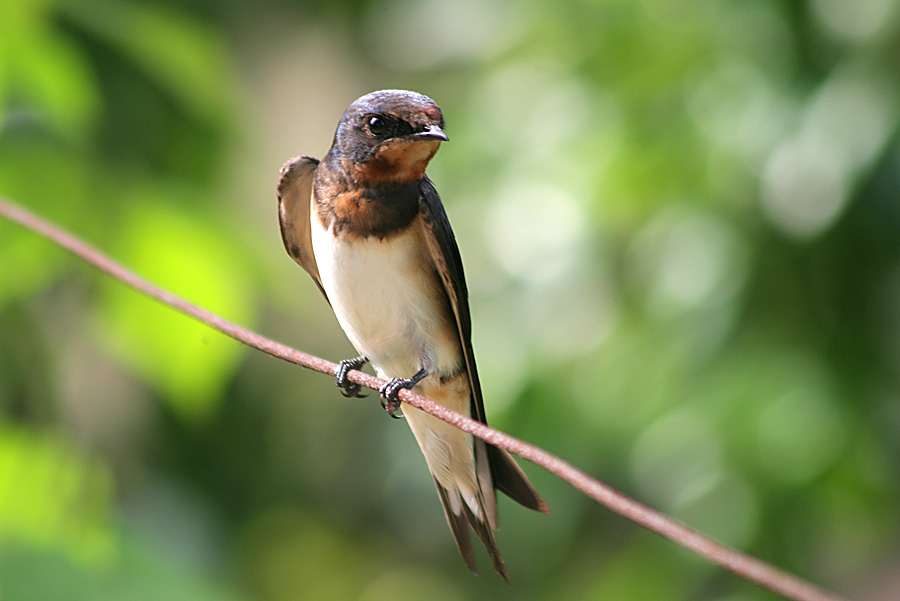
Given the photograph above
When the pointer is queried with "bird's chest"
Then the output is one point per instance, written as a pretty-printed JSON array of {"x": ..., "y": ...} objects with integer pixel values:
[{"x": 387, "y": 298}]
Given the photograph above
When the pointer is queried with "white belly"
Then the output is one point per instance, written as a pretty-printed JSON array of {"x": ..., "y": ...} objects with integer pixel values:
[
  {"x": 387, "y": 301},
  {"x": 393, "y": 309}
]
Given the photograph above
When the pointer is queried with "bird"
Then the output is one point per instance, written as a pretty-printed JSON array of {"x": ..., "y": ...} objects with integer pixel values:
[{"x": 368, "y": 226}]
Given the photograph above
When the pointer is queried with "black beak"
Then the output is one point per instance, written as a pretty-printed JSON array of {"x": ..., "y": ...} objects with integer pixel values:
[{"x": 432, "y": 132}]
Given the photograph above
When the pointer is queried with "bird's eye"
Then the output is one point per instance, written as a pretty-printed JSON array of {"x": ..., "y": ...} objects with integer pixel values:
[{"x": 377, "y": 125}]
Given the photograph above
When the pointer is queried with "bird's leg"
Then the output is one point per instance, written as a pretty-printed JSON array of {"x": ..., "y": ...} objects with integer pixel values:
[
  {"x": 349, "y": 389},
  {"x": 390, "y": 391}
]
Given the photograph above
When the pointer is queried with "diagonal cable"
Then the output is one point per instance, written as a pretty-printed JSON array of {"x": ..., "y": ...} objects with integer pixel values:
[{"x": 742, "y": 564}]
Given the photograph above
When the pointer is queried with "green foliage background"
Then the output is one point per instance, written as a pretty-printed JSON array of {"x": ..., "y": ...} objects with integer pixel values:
[{"x": 681, "y": 228}]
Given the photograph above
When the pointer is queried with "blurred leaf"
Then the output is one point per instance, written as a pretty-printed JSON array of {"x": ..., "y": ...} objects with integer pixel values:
[
  {"x": 52, "y": 497},
  {"x": 287, "y": 552},
  {"x": 49, "y": 178},
  {"x": 140, "y": 573},
  {"x": 189, "y": 256},
  {"x": 27, "y": 263},
  {"x": 185, "y": 56},
  {"x": 38, "y": 63},
  {"x": 627, "y": 576}
]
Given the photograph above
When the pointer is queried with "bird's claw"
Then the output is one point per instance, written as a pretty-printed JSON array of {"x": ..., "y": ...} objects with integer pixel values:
[
  {"x": 349, "y": 389},
  {"x": 389, "y": 393},
  {"x": 393, "y": 387}
]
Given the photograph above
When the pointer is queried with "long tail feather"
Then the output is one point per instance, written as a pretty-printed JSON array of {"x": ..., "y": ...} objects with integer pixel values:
[{"x": 461, "y": 517}]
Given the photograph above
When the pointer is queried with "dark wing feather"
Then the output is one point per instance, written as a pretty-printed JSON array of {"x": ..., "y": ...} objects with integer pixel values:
[
  {"x": 294, "y": 201},
  {"x": 492, "y": 463}
]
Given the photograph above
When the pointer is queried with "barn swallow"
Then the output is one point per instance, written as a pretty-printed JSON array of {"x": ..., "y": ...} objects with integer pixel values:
[{"x": 368, "y": 225}]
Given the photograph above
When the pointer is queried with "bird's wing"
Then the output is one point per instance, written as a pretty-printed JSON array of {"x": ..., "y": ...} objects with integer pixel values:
[
  {"x": 495, "y": 467},
  {"x": 294, "y": 201}
]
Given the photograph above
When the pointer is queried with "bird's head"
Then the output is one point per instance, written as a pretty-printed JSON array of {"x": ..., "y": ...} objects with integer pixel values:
[{"x": 389, "y": 136}]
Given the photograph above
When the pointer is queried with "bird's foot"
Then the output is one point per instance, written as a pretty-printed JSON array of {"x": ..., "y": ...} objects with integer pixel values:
[
  {"x": 349, "y": 389},
  {"x": 389, "y": 391}
]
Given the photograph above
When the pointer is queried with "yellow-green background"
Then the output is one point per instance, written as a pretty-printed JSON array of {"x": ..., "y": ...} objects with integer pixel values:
[{"x": 681, "y": 228}]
